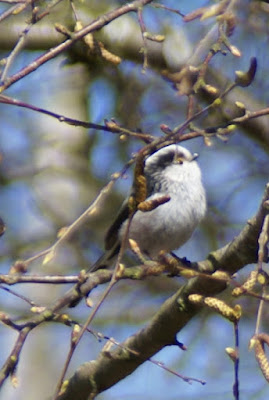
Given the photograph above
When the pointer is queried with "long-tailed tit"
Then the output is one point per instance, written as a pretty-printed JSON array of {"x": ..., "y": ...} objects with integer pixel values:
[{"x": 171, "y": 171}]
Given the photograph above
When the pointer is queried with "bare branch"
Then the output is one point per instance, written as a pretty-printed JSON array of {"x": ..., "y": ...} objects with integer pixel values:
[{"x": 95, "y": 25}]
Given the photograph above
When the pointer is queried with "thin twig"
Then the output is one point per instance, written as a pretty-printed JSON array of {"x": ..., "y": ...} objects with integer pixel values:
[
  {"x": 112, "y": 282},
  {"x": 143, "y": 31},
  {"x": 55, "y": 51},
  {"x": 14, "y": 10},
  {"x": 185, "y": 378},
  {"x": 23, "y": 36},
  {"x": 18, "y": 47},
  {"x": 13, "y": 359},
  {"x": 20, "y": 296},
  {"x": 236, "y": 363},
  {"x": 47, "y": 279},
  {"x": 68, "y": 231},
  {"x": 110, "y": 126},
  {"x": 173, "y": 10}
]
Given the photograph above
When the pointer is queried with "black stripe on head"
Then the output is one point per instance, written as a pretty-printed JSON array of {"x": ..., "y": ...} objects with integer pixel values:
[
  {"x": 167, "y": 155},
  {"x": 165, "y": 159}
]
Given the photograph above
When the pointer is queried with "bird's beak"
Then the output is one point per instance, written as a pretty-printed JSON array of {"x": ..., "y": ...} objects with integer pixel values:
[{"x": 195, "y": 156}]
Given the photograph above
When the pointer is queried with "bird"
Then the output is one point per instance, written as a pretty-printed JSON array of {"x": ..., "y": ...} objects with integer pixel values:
[{"x": 173, "y": 172}]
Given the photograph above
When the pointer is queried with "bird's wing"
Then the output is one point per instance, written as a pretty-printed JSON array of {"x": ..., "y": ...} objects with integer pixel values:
[
  {"x": 111, "y": 237},
  {"x": 106, "y": 259}
]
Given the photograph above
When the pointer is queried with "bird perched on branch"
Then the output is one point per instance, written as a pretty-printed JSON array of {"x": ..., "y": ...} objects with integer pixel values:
[{"x": 173, "y": 185}]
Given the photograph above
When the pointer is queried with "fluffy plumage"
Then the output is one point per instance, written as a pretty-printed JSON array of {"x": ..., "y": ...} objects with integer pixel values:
[{"x": 170, "y": 171}]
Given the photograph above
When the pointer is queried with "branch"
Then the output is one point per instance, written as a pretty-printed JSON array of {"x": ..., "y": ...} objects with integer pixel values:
[
  {"x": 110, "y": 126},
  {"x": 96, "y": 376},
  {"x": 55, "y": 51},
  {"x": 10, "y": 279}
]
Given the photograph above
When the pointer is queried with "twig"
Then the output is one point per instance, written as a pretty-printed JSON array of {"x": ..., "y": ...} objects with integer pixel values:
[
  {"x": 81, "y": 332},
  {"x": 47, "y": 279},
  {"x": 20, "y": 43},
  {"x": 110, "y": 126},
  {"x": 20, "y": 296},
  {"x": 68, "y": 231},
  {"x": 55, "y": 51},
  {"x": 183, "y": 377},
  {"x": 13, "y": 359},
  {"x": 144, "y": 50},
  {"x": 113, "y": 281},
  {"x": 14, "y": 10},
  {"x": 14, "y": 1},
  {"x": 236, "y": 363},
  {"x": 161, "y": 6}
]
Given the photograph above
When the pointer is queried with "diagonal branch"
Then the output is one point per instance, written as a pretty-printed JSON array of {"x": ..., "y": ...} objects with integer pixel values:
[{"x": 55, "y": 51}]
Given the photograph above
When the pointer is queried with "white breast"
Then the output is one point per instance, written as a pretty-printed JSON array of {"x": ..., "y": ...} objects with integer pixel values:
[{"x": 171, "y": 224}]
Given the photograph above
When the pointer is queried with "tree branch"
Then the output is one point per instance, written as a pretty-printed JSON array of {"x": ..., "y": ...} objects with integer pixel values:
[
  {"x": 96, "y": 376},
  {"x": 55, "y": 51}
]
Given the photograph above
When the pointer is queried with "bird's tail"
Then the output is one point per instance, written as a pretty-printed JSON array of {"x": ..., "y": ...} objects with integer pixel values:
[{"x": 106, "y": 260}]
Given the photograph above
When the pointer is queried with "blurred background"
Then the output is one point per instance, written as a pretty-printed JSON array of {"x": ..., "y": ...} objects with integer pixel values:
[{"x": 50, "y": 172}]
